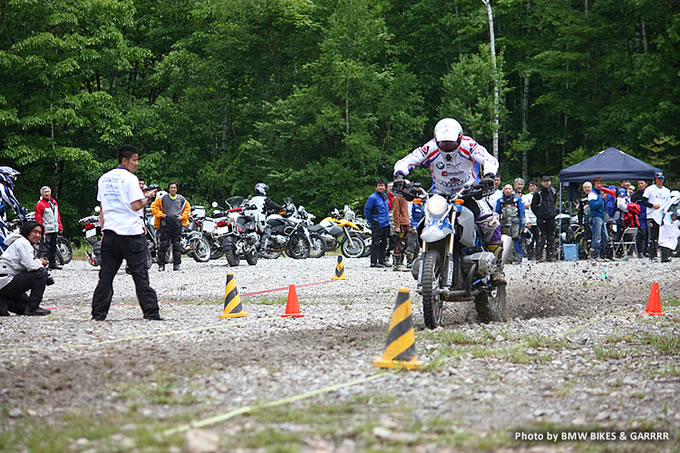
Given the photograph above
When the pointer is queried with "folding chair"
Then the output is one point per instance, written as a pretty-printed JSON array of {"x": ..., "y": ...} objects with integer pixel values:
[{"x": 627, "y": 245}]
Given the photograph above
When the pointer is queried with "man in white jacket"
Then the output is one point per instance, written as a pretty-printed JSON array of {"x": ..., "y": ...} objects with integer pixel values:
[{"x": 20, "y": 271}]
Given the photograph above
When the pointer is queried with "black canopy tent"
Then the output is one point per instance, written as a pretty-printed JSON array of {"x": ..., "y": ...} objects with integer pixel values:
[{"x": 611, "y": 164}]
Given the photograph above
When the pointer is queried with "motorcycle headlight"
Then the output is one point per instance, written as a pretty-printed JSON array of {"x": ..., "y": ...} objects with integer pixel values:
[{"x": 436, "y": 206}]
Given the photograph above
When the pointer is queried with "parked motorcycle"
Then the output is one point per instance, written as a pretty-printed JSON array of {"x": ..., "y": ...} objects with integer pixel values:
[
  {"x": 287, "y": 233},
  {"x": 241, "y": 240},
  {"x": 337, "y": 231},
  {"x": 215, "y": 229},
  {"x": 455, "y": 265},
  {"x": 93, "y": 236}
]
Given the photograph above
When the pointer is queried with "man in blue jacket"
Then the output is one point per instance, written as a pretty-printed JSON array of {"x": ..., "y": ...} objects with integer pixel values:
[
  {"x": 377, "y": 213},
  {"x": 598, "y": 246}
]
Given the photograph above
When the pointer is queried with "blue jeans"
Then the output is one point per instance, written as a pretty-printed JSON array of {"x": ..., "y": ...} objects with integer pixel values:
[{"x": 600, "y": 238}]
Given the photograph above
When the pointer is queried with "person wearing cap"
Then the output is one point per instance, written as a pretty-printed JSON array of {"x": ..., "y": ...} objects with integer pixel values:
[
  {"x": 654, "y": 197},
  {"x": 47, "y": 214},
  {"x": 543, "y": 206}
]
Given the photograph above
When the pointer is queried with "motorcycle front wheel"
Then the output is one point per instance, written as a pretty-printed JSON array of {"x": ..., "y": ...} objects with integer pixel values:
[
  {"x": 354, "y": 248},
  {"x": 251, "y": 257},
  {"x": 432, "y": 301},
  {"x": 201, "y": 250},
  {"x": 64, "y": 250},
  {"x": 490, "y": 305},
  {"x": 216, "y": 250},
  {"x": 318, "y": 248},
  {"x": 297, "y": 248}
]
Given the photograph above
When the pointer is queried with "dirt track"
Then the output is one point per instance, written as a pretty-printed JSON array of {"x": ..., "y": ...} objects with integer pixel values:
[{"x": 574, "y": 354}]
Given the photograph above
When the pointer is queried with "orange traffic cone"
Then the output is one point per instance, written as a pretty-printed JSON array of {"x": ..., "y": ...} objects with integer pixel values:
[
  {"x": 654, "y": 302},
  {"x": 292, "y": 307}
]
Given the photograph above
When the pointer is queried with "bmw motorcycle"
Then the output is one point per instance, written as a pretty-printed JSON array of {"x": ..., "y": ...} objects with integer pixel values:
[
  {"x": 455, "y": 265},
  {"x": 241, "y": 240},
  {"x": 288, "y": 234}
]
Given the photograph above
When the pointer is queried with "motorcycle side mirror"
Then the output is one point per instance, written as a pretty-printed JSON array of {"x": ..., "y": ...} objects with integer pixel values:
[
  {"x": 97, "y": 209},
  {"x": 213, "y": 204}
]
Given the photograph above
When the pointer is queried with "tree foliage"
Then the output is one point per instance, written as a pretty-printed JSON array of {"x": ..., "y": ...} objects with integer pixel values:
[{"x": 318, "y": 99}]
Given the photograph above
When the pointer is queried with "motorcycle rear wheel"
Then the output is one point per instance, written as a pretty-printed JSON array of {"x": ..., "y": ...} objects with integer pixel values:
[
  {"x": 432, "y": 301},
  {"x": 491, "y": 305},
  {"x": 232, "y": 257},
  {"x": 355, "y": 249},
  {"x": 318, "y": 248}
]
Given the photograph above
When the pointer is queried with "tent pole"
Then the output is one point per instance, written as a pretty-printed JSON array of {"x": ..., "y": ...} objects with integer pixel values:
[{"x": 559, "y": 212}]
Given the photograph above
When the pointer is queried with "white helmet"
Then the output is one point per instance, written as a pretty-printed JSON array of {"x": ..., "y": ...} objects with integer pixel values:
[
  {"x": 261, "y": 188},
  {"x": 448, "y": 134}
]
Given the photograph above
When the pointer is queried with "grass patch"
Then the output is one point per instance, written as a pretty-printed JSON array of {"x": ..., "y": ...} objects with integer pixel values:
[
  {"x": 451, "y": 337},
  {"x": 618, "y": 337},
  {"x": 269, "y": 301},
  {"x": 102, "y": 433},
  {"x": 540, "y": 341},
  {"x": 608, "y": 352},
  {"x": 667, "y": 344},
  {"x": 672, "y": 301},
  {"x": 671, "y": 371}
]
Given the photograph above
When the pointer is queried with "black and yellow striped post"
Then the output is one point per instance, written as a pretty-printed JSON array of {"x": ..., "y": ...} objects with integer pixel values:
[
  {"x": 232, "y": 301},
  {"x": 400, "y": 347},
  {"x": 339, "y": 270}
]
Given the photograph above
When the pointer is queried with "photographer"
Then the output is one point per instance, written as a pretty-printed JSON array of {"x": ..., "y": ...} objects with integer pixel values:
[{"x": 20, "y": 271}]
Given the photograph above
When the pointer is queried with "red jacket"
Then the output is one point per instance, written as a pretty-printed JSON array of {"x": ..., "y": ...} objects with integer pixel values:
[{"x": 45, "y": 215}]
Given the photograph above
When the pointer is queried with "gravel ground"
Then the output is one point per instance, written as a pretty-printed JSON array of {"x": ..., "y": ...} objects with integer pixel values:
[{"x": 573, "y": 354}]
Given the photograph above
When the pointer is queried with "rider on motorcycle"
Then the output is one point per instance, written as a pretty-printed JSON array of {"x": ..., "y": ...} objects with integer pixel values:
[
  {"x": 8, "y": 176},
  {"x": 265, "y": 206},
  {"x": 454, "y": 160}
]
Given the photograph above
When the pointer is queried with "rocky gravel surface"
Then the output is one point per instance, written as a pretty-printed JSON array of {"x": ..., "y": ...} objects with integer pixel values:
[{"x": 574, "y": 353}]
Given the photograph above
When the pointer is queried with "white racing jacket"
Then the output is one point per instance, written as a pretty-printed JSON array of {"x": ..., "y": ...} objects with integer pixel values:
[{"x": 449, "y": 175}]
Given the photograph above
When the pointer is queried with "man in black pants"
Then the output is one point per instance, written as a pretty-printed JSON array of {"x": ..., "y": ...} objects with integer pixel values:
[
  {"x": 543, "y": 206},
  {"x": 377, "y": 212},
  {"x": 171, "y": 213},
  {"x": 120, "y": 199}
]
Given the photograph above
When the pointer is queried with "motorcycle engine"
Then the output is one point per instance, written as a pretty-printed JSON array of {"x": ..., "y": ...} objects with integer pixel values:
[
  {"x": 277, "y": 241},
  {"x": 485, "y": 261}
]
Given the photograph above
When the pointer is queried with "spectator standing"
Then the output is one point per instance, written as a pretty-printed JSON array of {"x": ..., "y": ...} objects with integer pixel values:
[
  {"x": 530, "y": 218},
  {"x": 518, "y": 185},
  {"x": 171, "y": 213},
  {"x": 511, "y": 210},
  {"x": 642, "y": 231},
  {"x": 417, "y": 213},
  {"x": 543, "y": 206},
  {"x": 598, "y": 227},
  {"x": 377, "y": 213},
  {"x": 654, "y": 198},
  {"x": 120, "y": 200},
  {"x": 21, "y": 271},
  {"x": 402, "y": 226},
  {"x": 498, "y": 193},
  {"x": 47, "y": 214},
  {"x": 583, "y": 213}
]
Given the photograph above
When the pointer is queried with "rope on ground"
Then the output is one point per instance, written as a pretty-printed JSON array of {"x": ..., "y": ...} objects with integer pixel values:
[{"x": 248, "y": 409}]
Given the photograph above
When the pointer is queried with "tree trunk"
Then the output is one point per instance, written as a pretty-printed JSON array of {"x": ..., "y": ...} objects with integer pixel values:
[
  {"x": 492, "y": 42},
  {"x": 525, "y": 126}
]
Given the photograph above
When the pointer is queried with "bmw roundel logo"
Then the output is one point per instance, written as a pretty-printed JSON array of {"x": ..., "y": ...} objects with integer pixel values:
[{"x": 440, "y": 165}]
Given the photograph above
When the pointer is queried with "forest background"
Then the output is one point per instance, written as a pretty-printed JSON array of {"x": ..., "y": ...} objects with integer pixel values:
[{"x": 319, "y": 98}]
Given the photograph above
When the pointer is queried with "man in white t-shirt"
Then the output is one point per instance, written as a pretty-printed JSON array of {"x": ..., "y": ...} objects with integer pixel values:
[
  {"x": 121, "y": 199},
  {"x": 654, "y": 198}
]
